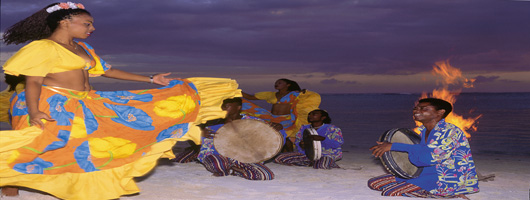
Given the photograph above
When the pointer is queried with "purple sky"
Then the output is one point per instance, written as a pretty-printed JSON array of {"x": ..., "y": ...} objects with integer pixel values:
[{"x": 329, "y": 46}]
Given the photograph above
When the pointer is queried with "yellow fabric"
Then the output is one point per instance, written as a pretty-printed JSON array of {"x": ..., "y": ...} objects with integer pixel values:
[
  {"x": 41, "y": 57},
  {"x": 301, "y": 105},
  {"x": 98, "y": 66},
  {"x": 307, "y": 102},
  {"x": 4, "y": 101},
  {"x": 113, "y": 182},
  {"x": 4, "y": 104},
  {"x": 270, "y": 97}
]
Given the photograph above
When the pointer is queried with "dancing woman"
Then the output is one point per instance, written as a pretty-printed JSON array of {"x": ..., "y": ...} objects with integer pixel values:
[
  {"x": 77, "y": 143},
  {"x": 290, "y": 105}
]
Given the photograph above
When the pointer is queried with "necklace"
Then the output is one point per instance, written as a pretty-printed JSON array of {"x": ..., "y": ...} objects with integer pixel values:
[
  {"x": 317, "y": 127},
  {"x": 66, "y": 46}
]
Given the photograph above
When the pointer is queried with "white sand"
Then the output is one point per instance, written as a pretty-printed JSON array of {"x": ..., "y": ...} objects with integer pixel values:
[{"x": 191, "y": 181}]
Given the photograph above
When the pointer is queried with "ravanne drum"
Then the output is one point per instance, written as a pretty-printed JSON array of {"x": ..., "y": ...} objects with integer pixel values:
[
  {"x": 312, "y": 147},
  {"x": 397, "y": 162},
  {"x": 248, "y": 141}
]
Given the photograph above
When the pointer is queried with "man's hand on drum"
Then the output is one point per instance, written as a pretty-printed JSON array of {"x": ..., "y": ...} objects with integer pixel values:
[
  {"x": 381, "y": 147},
  {"x": 276, "y": 126},
  {"x": 207, "y": 133},
  {"x": 317, "y": 137}
]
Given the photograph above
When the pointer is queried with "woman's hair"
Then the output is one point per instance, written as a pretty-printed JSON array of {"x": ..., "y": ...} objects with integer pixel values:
[
  {"x": 38, "y": 26},
  {"x": 13, "y": 81},
  {"x": 293, "y": 85}
]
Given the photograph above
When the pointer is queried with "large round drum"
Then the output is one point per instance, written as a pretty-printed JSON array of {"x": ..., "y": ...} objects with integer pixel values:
[
  {"x": 248, "y": 141},
  {"x": 397, "y": 162},
  {"x": 312, "y": 148}
]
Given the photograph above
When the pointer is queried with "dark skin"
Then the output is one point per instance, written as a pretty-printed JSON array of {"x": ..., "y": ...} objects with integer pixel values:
[
  {"x": 277, "y": 109},
  {"x": 317, "y": 120},
  {"x": 424, "y": 113},
  {"x": 233, "y": 111},
  {"x": 76, "y": 27}
]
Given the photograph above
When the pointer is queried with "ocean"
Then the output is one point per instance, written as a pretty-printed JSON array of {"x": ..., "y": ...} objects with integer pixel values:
[{"x": 503, "y": 128}]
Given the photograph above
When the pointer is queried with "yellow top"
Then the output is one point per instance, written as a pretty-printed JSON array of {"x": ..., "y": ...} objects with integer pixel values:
[
  {"x": 41, "y": 57},
  {"x": 270, "y": 97}
]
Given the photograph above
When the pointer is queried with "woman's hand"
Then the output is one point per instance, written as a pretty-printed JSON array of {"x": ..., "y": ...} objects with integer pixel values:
[
  {"x": 37, "y": 119},
  {"x": 161, "y": 79}
]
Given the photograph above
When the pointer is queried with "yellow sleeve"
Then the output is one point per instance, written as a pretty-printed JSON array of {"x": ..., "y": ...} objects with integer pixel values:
[
  {"x": 41, "y": 57},
  {"x": 307, "y": 102},
  {"x": 270, "y": 97}
]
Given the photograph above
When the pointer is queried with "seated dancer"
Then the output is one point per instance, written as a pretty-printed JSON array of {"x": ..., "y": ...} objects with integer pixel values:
[
  {"x": 220, "y": 165},
  {"x": 331, "y": 142},
  {"x": 77, "y": 143},
  {"x": 444, "y": 153},
  {"x": 290, "y": 105}
]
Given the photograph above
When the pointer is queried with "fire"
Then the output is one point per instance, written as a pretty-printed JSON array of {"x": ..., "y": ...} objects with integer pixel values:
[{"x": 452, "y": 77}]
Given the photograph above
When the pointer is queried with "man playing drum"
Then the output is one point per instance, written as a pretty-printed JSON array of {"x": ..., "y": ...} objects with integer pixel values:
[
  {"x": 220, "y": 165},
  {"x": 329, "y": 137},
  {"x": 444, "y": 153}
]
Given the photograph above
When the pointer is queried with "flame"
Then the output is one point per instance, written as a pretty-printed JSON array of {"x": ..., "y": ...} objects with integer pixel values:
[{"x": 452, "y": 77}]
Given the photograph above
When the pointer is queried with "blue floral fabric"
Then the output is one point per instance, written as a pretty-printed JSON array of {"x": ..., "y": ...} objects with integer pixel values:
[{"x": 448, "y": 165}]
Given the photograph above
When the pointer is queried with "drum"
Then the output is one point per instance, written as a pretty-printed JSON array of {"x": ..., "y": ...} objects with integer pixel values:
[
  {"x": 397, "y": 162},
  {"x": 312, "y": 148},
  {"x": 248, "y": 141}
]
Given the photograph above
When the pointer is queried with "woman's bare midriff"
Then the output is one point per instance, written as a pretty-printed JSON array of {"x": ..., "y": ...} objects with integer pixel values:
[
  {"x": 281, "y": 109},
  {"x": 74, "y": 80}
]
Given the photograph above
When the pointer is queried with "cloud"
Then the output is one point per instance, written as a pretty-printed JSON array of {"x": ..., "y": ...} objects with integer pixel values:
[
  {"x": 485, "y": 79},
  {"x": 490, "y": 79},
  {"x": 333, "y": 81},
  {"x": 335, "y": 37}
]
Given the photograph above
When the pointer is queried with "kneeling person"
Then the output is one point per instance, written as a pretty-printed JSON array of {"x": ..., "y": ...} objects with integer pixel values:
[{"x": 330, "y": 137}]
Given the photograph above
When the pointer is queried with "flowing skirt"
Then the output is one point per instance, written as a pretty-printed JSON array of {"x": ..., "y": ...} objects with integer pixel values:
[{"x": 100, "y": 140}]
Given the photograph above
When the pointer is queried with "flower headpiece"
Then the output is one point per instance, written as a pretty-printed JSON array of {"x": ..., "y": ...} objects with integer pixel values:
[{"x": 67, "y": 5}]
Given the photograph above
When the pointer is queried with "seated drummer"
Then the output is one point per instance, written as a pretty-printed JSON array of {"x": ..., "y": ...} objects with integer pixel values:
[
  {"x": 444, "y": 153},
  {"x": 331, "y": 142},
  {"x": 222, "y": 166}
]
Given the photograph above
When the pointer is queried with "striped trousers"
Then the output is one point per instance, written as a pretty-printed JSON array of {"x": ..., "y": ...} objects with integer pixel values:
[
  {"x": 223, "y": 166},
  {"x": 188, "y": 155},
  {"x": 388, "y": 186},
  {"x": 299, "y": 159}
]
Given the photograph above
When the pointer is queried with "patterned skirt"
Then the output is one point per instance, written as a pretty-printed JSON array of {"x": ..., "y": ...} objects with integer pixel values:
[{"x": 101, "y": 140}]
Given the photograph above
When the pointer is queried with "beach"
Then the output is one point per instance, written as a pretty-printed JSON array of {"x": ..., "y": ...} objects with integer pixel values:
[
  {"x": 191, "y": 181},
  {"x": 500, "y": 146}
]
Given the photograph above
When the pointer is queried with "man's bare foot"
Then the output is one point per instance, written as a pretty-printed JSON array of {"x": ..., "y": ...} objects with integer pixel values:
[{"x": 10, "y": 191}]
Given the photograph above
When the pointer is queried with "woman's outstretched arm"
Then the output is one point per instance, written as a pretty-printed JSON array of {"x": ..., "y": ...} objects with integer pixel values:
[
  {"x": 123, "y": 75},
  {"x": 249, "y": 96}
]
